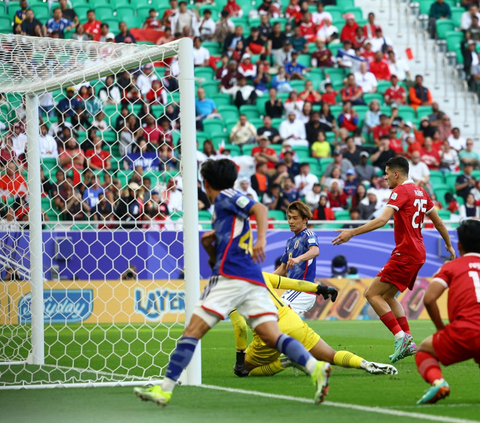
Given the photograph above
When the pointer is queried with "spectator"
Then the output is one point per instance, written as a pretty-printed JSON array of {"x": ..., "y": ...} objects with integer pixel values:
[
  {"x": 336, "y": 196},
  {"x": 327, "y": 120},
  {"x": 166, "y": 38},
  {"x": 419, "y": 172},
  {"x": 293, "y": 167},
  {"x": 69, "y": 104},
  {"x": 379, "y": 68},
  {"x": 259, "y": 179},
  {"x": 299, "y": 43},
  {"x": 383, "y": 153},
  {"x": 438, "y": 10},
  {"x": 230, "y": 79},
  {"x": 243, "y": 132},
  {"x": 313, "y": 127},
  {"x": 233, "y": 9},
  {"x": 68, "y": 13},
  {"x": 72, "y": 157},
  {"x": 398, "y": 67},
  {"x": 12, "y": 183},
  {"x": 359, "y": 39},
  {"x": 321, "y": 147},
  {"x": 368, "y": 205},
  {"x": 308, "y": 28},
  {"x": 247, "y": 68},
  {"x": 104, "y": 34},
  {"x": 370, "y": 27},
  {"x": 172, "y": 196},
  {"x": 293, "y": 131},
  {"x": 382, "y": 129},
  {"x": 185, "y": 21},
  {"x": 348, "y": 31},
  {"x": 380, "y": 42},
  {"x": 206, "y": 26},
  {"x": 146, "y": 77},
  {"x": 313, "y": 197},
  {"x": 352, "y": 152},
  {"x": 350, "y": 186},
  {"x": 7, "y": 153},
  {"x": 363, "y": 170},
  {"x": 20, "y": 15},
  {"x": 293, "y": 11},
  {"x": 255, "y": 44},
  {"x": 372, "y": 117},
  {"x": 97, "y": 158},
  {"x": 430, "y": 155},
  {"x": 32, "y": 26},
  {"x": 323, "y": 211},
  {"x": 360, "y": 194},
  {"x": 280, "y": 81},
  {"x": 420, "y": 95},
  {"x": 383, "y": 193},
  {"x": 128, "y": 207},
  {"x": 110, "y": 93},
  {"x": 294, "y": 69},
  {"x": 275, "y": 43},
  {"x": 245, "y": 94},
  {"x": 470, "y": 209},
  {"x": 456, "y": 141},
  {"x": 169, "y": 13},
  {"x": 274, "y": 199},
  {"x": 330, "y": 95},
  {"x": 309, "y": 94},
  {"x": 305, "y": 180},
  {"x": 467, "y": 17},
  {"x": 338, "y": 161},
  {"x": 274, "y": 106},
  {"x": 151, "y": 130},
  {"x": 91, "y": 195},
  {"x": 19, "y": 140},
  {"x": 348, "y": 119},
  {"x": 48, "y": 145},
  {"x": 80, "y": 34},
  {"x": 205, "y": 107},
  {"x": 124, "y": 36},
  {"x": 152, "y": 22},
  {"x": 445, "y": 130},
  {"x": 473, "y": 33},
  {"x": 468, "y": 155},
  {"x": 395, "y": 93},
  {"x": 328, "y": 32},
  {"x": 58, "y": 23},
  {"x": 223, "y": 28},
  {"x": 368, "y": 54},
  {"x": 352, "y": 92},
  {"x": 231, "y": 40},
  {"x": 269, "y": 131},
  {"x": 201, "y": 56},
  {"x": 263, "y": 154},
  {"x": 366, "y": 80},
  {"x": 289, "y": 191},
  {"x": 449, "y": 158},
  {"x": 304, "y": 115},
  {"x": 246, "y": 189},
  {"x": 465, "y": 182},
  {"x": 470, "y": 60},
  {"x": 395, "y": 143}
]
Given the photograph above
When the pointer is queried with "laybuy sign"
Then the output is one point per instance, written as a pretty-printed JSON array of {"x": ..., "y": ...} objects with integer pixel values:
[{"x": 147, "y": 301}]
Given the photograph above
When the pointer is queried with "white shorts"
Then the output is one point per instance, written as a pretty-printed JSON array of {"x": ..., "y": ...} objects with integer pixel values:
[
  {"x": 222, "y": 295},
  {"x": 299, "y": 302}
]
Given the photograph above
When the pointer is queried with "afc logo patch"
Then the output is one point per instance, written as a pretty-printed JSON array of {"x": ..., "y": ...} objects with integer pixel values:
[{"x": 295, "y": 246}]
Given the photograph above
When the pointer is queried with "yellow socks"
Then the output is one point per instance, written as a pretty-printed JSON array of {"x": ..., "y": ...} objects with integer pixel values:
[
  {"x": 240, "y": 328},
  {"x": 268, "y": 369},
  {"x": 347, "y": 359}
]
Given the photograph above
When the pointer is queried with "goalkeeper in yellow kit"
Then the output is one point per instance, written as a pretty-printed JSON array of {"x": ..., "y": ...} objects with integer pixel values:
[{"x": 259, "y": 360}]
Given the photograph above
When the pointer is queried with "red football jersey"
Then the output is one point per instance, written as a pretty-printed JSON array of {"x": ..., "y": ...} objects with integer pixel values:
[
  {"x": 462, "y": 276},
  {"x": 411, "y": 204}
]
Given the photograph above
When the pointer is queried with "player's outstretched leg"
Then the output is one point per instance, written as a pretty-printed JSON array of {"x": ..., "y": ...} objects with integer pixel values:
[
  {"x": 240, "y": 329},
  {"x": 181, "y": 357},
  {"x": 429, "y": 369},
  {"x": 295, "y": 351}
]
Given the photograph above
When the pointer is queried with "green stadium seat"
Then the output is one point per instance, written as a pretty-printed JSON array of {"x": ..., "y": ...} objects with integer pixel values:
[
  {"x": 96, "y": 3},
  {"x": 282, "y": 21},
  {"x": 423, "y": 111},
  {"x": 444, "y": 26},
  {"x": 357, "y": 11},
  {"x": 305, "y": 60},
  {"x": 247, "y": 149},
  {"x": 103, "y": 12},
  {"x": 342, "y": 215},
  {"x": 276, "y": 122},
  {"x": 219, "y": 137},
  {"x": 118, "y": 3},
  {"x": 374, "y": 96},
  {"x": 125, "y": 10},
  {"x": 215, "y": 9},
  {"x": 450, "y": 180},
  {"x": 234, "y": 150},
  {"x": 207, "y": 73},
  {"x": 454, "y": 40},
  {"x": 250, "y": 111},
  {"x": 40, "y": 8},
  {"x": 82, "y": 12},
  {"x": 204, "y": 215},
  {"x": 261, "y": 101},
  {"x": 252, "y": 22},
  {"x": 440, "y": 194},
  {"x": 5, "y": 22},
  {"x": 143, "y": 11},
  {"x": 211, "y": 126},
  {"x": 457, "y": 13},
  {"x": 335, "y": 11},
  {"x": 345, "y": 4},
  {"x": 425, "y": 6},
  {"x": 298, "y": 85},
  {"x": 444, "y": 214},
  {"x": 228, "y": 112},
  {"x": 211, "y": 88},
  {"x": 383, "y": 86},
  {"x": 222, "y": 99},
  {"x": 437, "y": 178},
  {"x": 276, "y": 215},
  {"x": 407, "y": 113}
]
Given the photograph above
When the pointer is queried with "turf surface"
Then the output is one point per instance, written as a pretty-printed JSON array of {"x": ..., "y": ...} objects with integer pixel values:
[{"x": 193, "y": 404}]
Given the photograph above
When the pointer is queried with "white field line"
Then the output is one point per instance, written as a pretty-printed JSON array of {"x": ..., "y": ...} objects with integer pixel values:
[{"x": 377, "y": 410}]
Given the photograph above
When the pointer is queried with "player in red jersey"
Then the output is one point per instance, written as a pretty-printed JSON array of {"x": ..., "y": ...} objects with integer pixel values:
[
  {"x": 460, "y": 339},
  {"x": 408, "y": 204}
]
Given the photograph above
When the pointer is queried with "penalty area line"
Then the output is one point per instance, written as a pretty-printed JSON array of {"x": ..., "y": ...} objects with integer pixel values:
[{"x": 377, "y": 410}]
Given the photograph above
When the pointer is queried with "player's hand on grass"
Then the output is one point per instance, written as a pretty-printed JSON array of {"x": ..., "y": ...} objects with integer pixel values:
[
  {"x": 451, "y": 250},
  {"x": 258, "y": 253},
  {"x": 345, "y": 236},
  {"x": 292, "y": 262}
]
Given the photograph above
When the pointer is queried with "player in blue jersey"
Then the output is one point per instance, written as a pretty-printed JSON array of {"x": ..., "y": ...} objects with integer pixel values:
[
  {"x": 300, "y": 257},
  {"x": 236, "y": 282}
]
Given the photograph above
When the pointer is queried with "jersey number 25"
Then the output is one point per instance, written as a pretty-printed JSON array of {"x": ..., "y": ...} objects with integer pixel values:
[{"x": 420, "y": 204}]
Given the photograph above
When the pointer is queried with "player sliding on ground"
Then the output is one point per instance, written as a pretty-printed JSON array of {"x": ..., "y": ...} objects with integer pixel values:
[
  {"x": 262, "y": 360},
  {"x": 408, "y": 204},
  {"x": 236, "y": 282},
  {"x": 460, "y": 339}
]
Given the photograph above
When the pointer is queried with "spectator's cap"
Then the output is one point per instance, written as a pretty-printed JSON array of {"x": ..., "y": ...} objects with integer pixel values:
[
  {"x": 367, "y": 41},
  {"x": 364, "y": 154},
  {"x": 350, "y": 172},
  {"x": 409, "y": 124},
  {"x": 424, "y": 118},
  {"x": 287, "y": 43},
  {"x": 110, "y": 36},
  {"x": 244, "y": 180},
  {"x": 286, "y": 144},
  {"x": 291, "y": 112},
  {"x": 155, "y": 192},
  {"x": 262, "y": 137},
  {"x": 317, "y": 184},
  {"x": 371, "y": 191},
  {"x": 70, "y": 89},
  {"x": 336, "y": 153},
  {"x": 133, "y": 186},
  {"x": 348, "y": 16},
  {"x": 246, "y": 56},
  {"x": 339, "y": 265},
  {"x": 471, "y": 42}
]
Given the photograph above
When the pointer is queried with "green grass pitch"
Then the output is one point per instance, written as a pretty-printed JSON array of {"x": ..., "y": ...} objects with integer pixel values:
[{"x": 195, "y": 404}]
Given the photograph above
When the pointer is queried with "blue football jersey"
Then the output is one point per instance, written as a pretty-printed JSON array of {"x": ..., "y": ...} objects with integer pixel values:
[
  {"x": 296, "y": 246},
  {"x": 233, "y": 238}
]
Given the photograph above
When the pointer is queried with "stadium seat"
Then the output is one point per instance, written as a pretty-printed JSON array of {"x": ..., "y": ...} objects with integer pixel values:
[
  {"x": 143, "y": 11},
  {"x": 437, "y": 178},
  {"x": 222, "y": 99},
  {"x": 425, "y": 6},
  {"x": 276, "y": 122},
  {"x": 204, "y": 215},
  {"x": 96, "y": 3},
  {"x": 454, "y": 40},
  {"x": 261, "y": 104},
  {"x": 443, "y": 26},
  {"x": 207, "y": 73},
  {"x": 305, "y": 60},
  {"x": 103, "y": 12},
  {"x": 346, "y": 5},
  {"x": 215, "y": 9},
  {"x": 247, "y": 149},
  {"x": 5, "y": 22},
  {"x": 423, "y": 111},
  {"x": 374, "y": 96},
  {"x": 211, "y": 126},
  {"x": 117, "y": 3},
  {"x": 124, "y": 10},
  {"x": 276, "y": 214},
  {"x": 282, "y": 21},
  {"x": 298, "y": 85},
  {"x": 357, "y": 11},
  {"x": 218, "y": 138},
  {"x": 82, "y": 12},
  {"x": 228, "y": 112},
  {"x": 335, "y": 11},
  {"x": 383, "y": 86},
  {"x": 407, "y": 113},
  {"x": 457, "y": 13},
  {"x": 211, "y": 88},
  {"x": 450, "y": 180},
  {"x": 234, "y": 149},
  {"x": 444, "y": 214},
  {"x": 342, "y": 215},
  {"x": 40, "y": 8},
  {"x": 112, "y": 23}
]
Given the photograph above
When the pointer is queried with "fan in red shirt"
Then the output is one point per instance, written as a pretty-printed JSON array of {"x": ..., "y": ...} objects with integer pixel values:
[
  {"x": 12, "y": 183},
  {"x": 233, "y": 9},
  {"x": 307, "y": 28},
  {"x": 379, "y": 67},
  {"x": 370, "y": 28},
  {"x": 459, "y": 340},
  {"x": 430, "y": 155},
  {"x": 349, "y": 30},
  {"x": 309, "y": 94},
  {"x": 395, "y": 143},
  {"x": 97, "y": 158},
  {"x": 382, "y": 129},
  {"x": 395, "y": 93},
  {"x": 367, "y": 53},
  {"x": 264, "y": 154},
  {"x": 293, "y": 10},
  {"x": 92, "y": 26},
  {"x": 167, "y": 15},
  {"x": 408, "y": 205}
]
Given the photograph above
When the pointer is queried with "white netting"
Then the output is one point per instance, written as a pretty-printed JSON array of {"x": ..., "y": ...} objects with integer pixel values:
[{"x": 112, "y": 209}]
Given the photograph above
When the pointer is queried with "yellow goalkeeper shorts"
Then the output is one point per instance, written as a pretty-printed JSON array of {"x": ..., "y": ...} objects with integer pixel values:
[{"x": 290, "y": 323}]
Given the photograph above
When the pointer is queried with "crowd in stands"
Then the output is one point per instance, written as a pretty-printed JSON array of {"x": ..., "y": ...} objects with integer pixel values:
[{"x": 309, "y": 106}]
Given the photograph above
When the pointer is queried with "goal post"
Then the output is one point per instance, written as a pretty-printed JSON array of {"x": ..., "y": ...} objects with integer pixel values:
[{"x": 35, "y": 66}]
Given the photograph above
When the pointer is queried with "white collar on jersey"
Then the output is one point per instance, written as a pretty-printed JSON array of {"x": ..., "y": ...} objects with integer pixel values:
[
  {"x": 408, "y": 181},
  {"x": 472, "y": 254}
]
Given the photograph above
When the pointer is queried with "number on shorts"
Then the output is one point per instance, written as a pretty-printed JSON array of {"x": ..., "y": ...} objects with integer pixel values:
[
  {"x": 421, "y": 208},
  {"x": 476, "y": 283}
]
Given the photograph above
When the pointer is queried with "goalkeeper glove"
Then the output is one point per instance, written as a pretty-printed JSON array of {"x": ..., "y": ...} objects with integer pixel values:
[{"x": 327, "y": 292}]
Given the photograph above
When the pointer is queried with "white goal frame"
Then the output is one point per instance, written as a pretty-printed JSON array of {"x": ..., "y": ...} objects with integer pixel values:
[{"x": 184, "y": 49}]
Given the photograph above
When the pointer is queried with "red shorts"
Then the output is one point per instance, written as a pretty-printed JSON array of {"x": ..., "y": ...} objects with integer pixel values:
[
  {"x": 459, "y": 341},
  {"x": 400, "y": 272}
]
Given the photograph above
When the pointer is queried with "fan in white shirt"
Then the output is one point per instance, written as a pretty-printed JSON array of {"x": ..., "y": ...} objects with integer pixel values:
[
  {"x": 207, "y": 25},
  {"x": 201, "y": 56},
  {"x": 293, "y": 131},
  {"x": 456, "y": 141},
  {"x": 320, "y": 15},
  {"x": 466, "y": 21},
  {"x": 419, "y": 172},
  {"x": 398, "y": 67},
  {"x": 379, "y": 40},
  {"x": 19, "y": 139},
  {"x": 48, "y": 145},
  {"x": 145, "y": 79},
  {"x": 305, "y": 181},
  {"x": 366, "y": 80}
]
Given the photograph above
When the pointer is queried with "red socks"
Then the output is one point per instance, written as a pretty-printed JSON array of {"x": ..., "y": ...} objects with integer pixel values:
[
  {"x": 403, "y": 322},
  {"x": 391, "y": 323},
  {"x": 428, "y": 366}
]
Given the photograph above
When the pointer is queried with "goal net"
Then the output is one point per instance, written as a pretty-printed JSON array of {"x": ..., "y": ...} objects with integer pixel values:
[{"x": 98, "y": 197}]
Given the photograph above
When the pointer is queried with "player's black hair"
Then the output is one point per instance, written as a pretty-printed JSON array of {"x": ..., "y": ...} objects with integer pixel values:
[
  {"x": 469, "y": 235},
  {"x": 399, "y": 164},
  {"x": 220, "y": 174}
]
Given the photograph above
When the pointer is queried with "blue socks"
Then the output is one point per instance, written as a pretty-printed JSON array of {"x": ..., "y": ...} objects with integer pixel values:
[
  {"x": 296, "y": 352},
  {"x": 181, "y": 357}
]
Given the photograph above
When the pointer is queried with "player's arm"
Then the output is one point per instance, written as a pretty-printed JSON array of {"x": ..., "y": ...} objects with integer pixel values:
[
  {"x": 312, "y": 252},
  {"x": 434, "y": 292},
  {"x": 281, "y": 270},
  {"x": 347, "y": 234},
  {"x": 261, "y": 216},
  {"x": 442, "y": 230},
  {"x": 208, "y": 243}
]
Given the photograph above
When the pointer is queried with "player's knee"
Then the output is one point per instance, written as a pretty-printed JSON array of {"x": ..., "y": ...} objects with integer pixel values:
[{"x": 270, "y": 340}]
